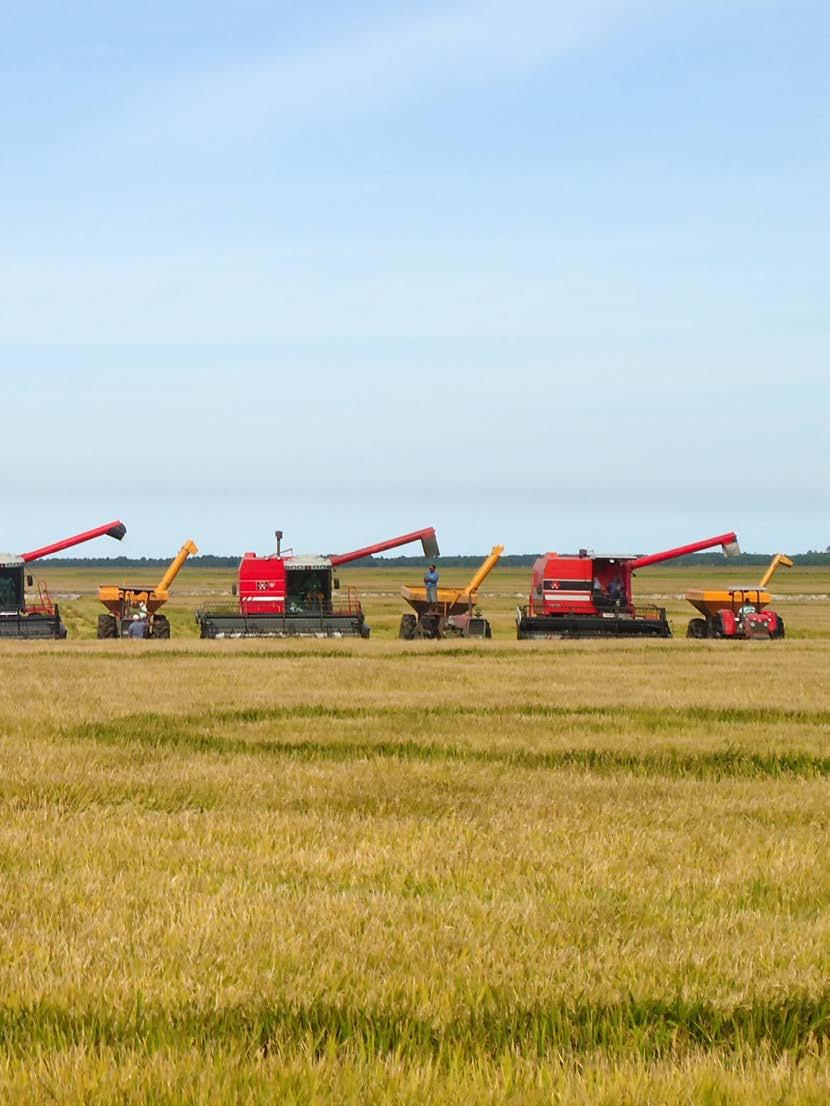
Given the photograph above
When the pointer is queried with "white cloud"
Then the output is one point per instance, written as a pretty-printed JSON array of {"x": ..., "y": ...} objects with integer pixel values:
[{"x": 433, "y": 47}]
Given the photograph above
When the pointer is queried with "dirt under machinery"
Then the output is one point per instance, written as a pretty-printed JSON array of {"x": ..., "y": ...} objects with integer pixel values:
[
  {"x": 738, "y": 612},
  {"x": 282, "y": 595},
  {"x": 131, "y": 601},
  {"x": 453, "y": 613},
  {"x": 589, "y": 595},
  {"x": 41, "y": 619}
]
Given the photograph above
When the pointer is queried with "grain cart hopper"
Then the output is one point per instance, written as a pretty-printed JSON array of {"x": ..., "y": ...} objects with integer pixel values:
[
  {"x": 453, "y": 614},
  {"x": 282, "y": 595},
  {"x": 41, "y": 619},
  {"x": 738, "y": 612},
  {"x": 587, "y": 595},
  {"x": 124, "y": 602}
]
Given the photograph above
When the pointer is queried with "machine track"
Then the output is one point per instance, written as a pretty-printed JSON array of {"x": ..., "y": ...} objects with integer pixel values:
[
  {"x": 545, "y": 627},
  {"x": 21, "y": 625},
  {"x": 217, "y": 625}
]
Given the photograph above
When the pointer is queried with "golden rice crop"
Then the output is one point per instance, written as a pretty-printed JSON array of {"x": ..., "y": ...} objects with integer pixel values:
[{"x": 376, "y": 871}]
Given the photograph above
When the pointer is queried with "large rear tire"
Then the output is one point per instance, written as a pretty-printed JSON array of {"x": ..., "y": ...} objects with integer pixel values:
[
  {"x": 779, "y": 631},
  {"x": 697, "y": 628},
  {"x": 107, "y": 626},
  {"x": 161, "y": 627},
  {"x": 406, "y": 631}
]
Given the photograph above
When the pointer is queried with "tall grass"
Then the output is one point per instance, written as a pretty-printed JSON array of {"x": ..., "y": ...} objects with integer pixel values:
[{"x": 363, "y": 872}]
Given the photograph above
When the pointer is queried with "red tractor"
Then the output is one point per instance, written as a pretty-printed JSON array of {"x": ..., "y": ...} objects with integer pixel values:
[
  {"x": 588, "y": 595},
  {"x": 281, "y": 595},
  {"x": 41, "y": 619}
]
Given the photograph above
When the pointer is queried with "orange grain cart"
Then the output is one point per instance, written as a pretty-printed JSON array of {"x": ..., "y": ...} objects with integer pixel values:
[
  {"x": 453, "y": 613},
  {"x": 126, "y": 603},
  {"x": 740, "y": 612}
]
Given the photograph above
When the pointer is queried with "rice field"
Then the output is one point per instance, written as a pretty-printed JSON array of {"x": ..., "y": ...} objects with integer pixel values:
[{"x": 387, "y": 872}]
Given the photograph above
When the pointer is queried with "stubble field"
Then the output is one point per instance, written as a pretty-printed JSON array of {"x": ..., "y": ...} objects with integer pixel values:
[{"x": 347, "y": 871}]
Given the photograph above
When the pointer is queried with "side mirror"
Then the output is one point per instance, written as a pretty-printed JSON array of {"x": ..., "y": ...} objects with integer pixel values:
[
  {"x": 337, "y": 583},
  {"x": 29, "y": 581},
  {"x": 234, "y": 589}
]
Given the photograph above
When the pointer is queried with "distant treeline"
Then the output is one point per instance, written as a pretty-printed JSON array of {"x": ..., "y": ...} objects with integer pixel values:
[{"x": 516, "y": 560}]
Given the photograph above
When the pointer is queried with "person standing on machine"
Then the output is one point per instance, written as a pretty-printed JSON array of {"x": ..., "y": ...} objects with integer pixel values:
[{"x": 431, "y": 584}]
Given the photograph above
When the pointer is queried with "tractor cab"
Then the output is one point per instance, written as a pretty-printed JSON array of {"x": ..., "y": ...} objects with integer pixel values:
[
  {"x": 12, "y": 588},
  {"x": 308, "y": 584},
  {"x": 580, "y": 583}
]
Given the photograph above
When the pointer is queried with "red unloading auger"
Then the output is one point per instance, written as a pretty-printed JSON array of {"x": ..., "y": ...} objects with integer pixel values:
[
  {"x": 728, "y": 541},
  {"x": 426, "y": 537},
  {"x": 115, "y": 530}
]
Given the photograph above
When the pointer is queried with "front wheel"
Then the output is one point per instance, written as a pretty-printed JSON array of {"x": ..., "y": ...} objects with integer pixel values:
[
  {"x": 406, "y": 631},
  {"x": 107, "y": 626},
  {"x": 697, "y": 628},
  {"x": 161, "y": 627}
]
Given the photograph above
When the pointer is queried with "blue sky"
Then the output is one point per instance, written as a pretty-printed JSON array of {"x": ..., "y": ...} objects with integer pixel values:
[{"x": 550, "y": 274}]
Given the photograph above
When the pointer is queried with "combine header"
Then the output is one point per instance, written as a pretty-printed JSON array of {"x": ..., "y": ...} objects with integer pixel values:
[
  {"x": 586, "y": 595},
  {"x": 738, "y": 612},
  {"x": 281, "y": 595},
  {"x": 41, "y": 619},
  {"x": 453, "y": 613},
  {"x": 132, "y": 601}
]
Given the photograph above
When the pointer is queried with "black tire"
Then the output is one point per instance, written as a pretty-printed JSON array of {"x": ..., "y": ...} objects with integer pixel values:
[
  {"x": 107, "y": 626},
  {"x": 406, "y": 631},
  {"x": 697, "y": 628},
  {"x": 780, "y": 632},
  {"x": 161, "y": 628}
]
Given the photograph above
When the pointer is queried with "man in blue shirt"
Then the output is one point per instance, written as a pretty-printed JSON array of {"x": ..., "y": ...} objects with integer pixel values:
[
  {"x": 137, "y": 628},
  {"x": 431, "y": 582}
]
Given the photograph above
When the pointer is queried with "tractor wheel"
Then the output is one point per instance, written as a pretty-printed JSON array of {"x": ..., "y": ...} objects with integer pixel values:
[
  {"x": 161, "y": 627},
  {"x": 697, "y": 628},
  {"x": 107, "y": 626},
  {"x": 779, "y": 630},
  {"x": 406, "y": 631}
]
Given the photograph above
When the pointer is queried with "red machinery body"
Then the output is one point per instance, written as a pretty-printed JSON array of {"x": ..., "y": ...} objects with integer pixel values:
[
  {"x": 262, "y": 584},
  {"x": 41, "y": 619},
  {"x": 588, "y": 595},
  {"x": 759, "y": 625},
  {"x": 282, "y": 595}
]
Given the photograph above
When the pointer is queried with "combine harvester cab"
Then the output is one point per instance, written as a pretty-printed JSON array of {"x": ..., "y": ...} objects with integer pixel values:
[
  {"x": 453, "y": 614},
  {"x": 741, "y": 613},
  {"x": 283, "y": 595},
  {"x": 124, "y": 603},
  {"x": 588, "y": 595},
  {"x": 41, "y": 619}
]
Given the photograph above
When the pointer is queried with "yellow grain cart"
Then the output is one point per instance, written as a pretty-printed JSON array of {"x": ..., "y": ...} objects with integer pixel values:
[
  {"x": 738, "y": 612},
  {"x": 453, "y": 612},
  {"x": 128, "y": 603}
]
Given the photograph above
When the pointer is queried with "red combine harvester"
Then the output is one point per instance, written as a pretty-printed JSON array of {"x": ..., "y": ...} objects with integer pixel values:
[
  {"x": 281, "y": 595},
  {"x": 41, "y": 619},
  {"x": 585, "y": 595}
]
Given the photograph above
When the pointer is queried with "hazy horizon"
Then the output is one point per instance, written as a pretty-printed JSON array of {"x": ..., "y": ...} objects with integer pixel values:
[{"x": 552, "y": 274}]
